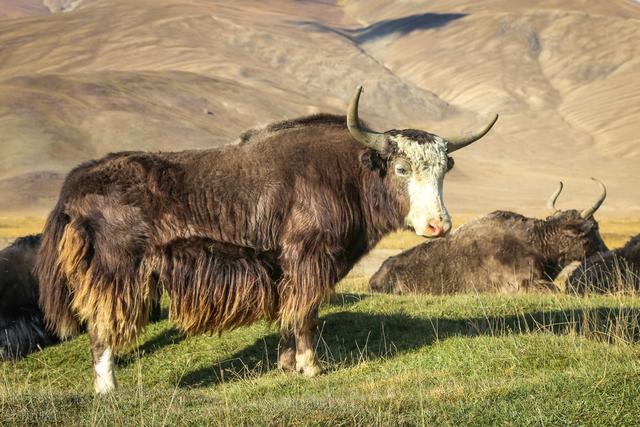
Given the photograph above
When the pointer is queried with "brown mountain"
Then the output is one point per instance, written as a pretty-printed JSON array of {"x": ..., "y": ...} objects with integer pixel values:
[{"x": 112, "y": 75}]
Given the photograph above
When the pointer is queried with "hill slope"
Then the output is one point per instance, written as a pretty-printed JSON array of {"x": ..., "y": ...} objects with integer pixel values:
[{"x": 168, "y": 75}]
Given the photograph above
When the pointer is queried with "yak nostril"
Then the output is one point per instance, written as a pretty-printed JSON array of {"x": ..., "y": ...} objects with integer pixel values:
[{"x": 435, "y": 230}]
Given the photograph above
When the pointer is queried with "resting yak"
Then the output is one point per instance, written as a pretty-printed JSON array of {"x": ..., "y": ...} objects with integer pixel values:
[
  {"x": 22, "y": 328},
  {"x": 261, "y": 230},
  {"x": 502, "y": 252},
  {"x": 612, "y": 271}
]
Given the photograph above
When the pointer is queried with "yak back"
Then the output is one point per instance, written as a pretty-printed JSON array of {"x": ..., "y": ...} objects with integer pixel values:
[
  {"x": 241, "y": 194},
  {"x": 492, "y": 253}
]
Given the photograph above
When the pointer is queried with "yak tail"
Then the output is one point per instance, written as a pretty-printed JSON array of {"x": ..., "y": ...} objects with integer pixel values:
[{"x": 55, "y": 295}]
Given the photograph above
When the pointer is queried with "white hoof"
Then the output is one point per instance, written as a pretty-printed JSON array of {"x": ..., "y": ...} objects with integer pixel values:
[
  {"x": 105, "y": 380},
  {"x": 307, "y": 365}
]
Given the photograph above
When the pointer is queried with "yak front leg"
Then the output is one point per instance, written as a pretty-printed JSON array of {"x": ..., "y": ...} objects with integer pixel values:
[
  {"x": 306, "y": 359},
  {"x": 287, "y": 351},
  {"x": 310, "y": 273},
  {"x": 103, "y": 366}
]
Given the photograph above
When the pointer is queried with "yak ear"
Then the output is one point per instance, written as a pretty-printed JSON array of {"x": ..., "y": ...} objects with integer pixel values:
[{"x": 371, "y": 160}]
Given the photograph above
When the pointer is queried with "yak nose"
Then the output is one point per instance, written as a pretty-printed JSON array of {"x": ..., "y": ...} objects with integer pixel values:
[{"x": 438, "y": 228}]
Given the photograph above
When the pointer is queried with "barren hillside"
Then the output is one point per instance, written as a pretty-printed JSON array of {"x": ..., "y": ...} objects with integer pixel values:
[{"x": 114, "y": 75}]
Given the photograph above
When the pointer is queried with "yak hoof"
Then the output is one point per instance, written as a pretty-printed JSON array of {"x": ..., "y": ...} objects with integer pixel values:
[
  {"x": 103, "y": 389},
  {"x": 307, "y": 365},
  {"x": 310, "y": 371},
  {"x": 287, "y": 361}
]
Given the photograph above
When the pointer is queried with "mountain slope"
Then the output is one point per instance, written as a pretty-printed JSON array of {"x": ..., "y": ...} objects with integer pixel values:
[{"x": 168, "y": 75}]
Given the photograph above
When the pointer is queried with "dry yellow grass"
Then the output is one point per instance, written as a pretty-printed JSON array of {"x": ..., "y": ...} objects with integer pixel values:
[
  {"x": 16, "y": 226},
  {"x": 616, "y": 232}
]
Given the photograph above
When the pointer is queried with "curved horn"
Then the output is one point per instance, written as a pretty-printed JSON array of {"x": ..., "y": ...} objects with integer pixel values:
[
  {"x": 551, "y": 203},
  {"x": 459, "y": 142},
  {"x": 588, "y": 213},
  {"x": 369, "y": 138}
]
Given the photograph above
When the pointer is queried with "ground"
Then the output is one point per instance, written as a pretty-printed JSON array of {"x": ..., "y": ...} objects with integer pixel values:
[
  {"x": 532, "y": 359},
  {"x": 389, "y": 360}
]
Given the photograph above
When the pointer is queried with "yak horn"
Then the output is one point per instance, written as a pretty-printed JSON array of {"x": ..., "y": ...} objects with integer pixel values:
[
  {"x": 551, "y": 203},
  {"x": 367, "y": 137},
  {"x": 457, "y": 143},
  {"x": 588, "y": 213}
]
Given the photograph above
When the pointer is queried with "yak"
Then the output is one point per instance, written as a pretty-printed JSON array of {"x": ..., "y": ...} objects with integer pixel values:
[
  {"x": 261, "y": 230},
  {"x": 502, "y": 252},
  {"x": 608, "y": 272},
  {"x": 22, "y": 328}
]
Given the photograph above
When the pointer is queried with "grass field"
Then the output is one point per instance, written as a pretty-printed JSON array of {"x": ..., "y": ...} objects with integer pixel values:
[{"x": 389, "y": 360}]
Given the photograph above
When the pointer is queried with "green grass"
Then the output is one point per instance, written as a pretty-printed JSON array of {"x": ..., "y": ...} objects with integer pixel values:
[{"x": 389, "y": 360}]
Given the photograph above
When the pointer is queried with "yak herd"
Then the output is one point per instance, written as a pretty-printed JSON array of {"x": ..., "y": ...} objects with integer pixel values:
[{"x": 264, "y": 229}]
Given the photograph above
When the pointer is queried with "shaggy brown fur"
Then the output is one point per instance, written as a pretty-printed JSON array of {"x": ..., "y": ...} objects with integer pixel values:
[
  {"x": 612, "y": 271},
  {"x": 202, "y": 278},
  {"x": 260, "y": 230},
  {"x": 502, "y": 252},
  {"x": 21, "y": 325}
]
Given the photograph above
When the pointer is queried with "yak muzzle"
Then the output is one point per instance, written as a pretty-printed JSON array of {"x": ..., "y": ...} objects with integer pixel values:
[{"x": 434, "y": 228}]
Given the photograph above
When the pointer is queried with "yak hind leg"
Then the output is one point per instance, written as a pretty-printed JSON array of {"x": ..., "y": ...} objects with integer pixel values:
[
  {"x": 287, "y": 351},
  {"x": 103, "y": 367}
]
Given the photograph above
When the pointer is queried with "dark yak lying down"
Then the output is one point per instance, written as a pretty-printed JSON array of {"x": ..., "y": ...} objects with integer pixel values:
[
  {"x": 22, "y": 328},
  {"x": 502, "y": 252},
  {"x": 612, "y": 271}
]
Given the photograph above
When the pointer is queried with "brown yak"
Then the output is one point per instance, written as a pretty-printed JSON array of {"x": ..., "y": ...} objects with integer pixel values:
[
  {"x": 502, "y": 252},
  {"x": 235, "y": 234}
]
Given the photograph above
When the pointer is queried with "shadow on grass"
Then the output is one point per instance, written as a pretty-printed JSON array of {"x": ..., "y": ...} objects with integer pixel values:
[
  {"x": 164, "y": 338},
  {"x": 173, "y": 335},
  {"x": 346, "y": 299},
  {"x": 348, "y": 338}
]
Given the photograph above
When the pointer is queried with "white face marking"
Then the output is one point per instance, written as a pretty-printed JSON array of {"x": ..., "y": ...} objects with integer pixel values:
[
  {"x": 105, "y": 380},
  {"x": 429, "y": 165}
]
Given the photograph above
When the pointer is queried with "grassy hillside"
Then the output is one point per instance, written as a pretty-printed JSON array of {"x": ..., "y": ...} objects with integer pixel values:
[{"x": 389, "y": 360}]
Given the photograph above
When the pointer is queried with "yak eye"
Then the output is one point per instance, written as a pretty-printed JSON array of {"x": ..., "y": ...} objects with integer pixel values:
[{"x": 402, "y": 169}]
